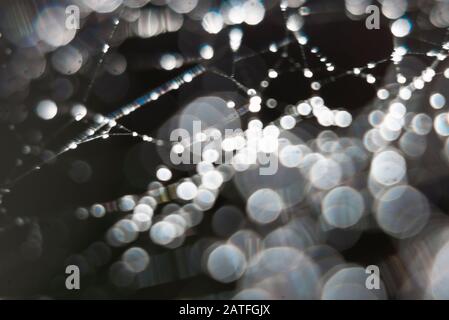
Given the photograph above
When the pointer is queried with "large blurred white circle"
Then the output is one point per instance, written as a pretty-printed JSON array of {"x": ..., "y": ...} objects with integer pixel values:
[
  {"x": 226, "y": 263},
  {"x": 264, "y": 206},
  {"x": 343, "y": 207},
  {"x": 402, "y": 211}
]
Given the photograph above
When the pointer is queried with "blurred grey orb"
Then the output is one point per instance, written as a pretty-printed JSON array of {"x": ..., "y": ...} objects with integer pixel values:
[
  {"x": 67, "y": 60},
  {"x": 388, "y": 167},
  {"x": 80, "y": 171},
  {"x": 421, "y": 124},
  {"x": 82, "y": 213},
  {"x": 439, "y": 275},
  {"x": 135, "y": 3},
  {"x": 192, "y": 214},
  {"x": 123, "y": 232},
  {"x": 115, "y": 63},
  {"x": 205, "y": 199},
  {"x": 126, "y": 203},
  {"x": 343, "y": 207},
  {"x": 136, "y": 259},
  {"x": 226, "y": 263},
  {"x": 325, "y": 174},
  {"x": 50, "y": 26},
  {"x": 248, "y": 241},
  {"x": 46, "y": 109},
  {"x": 97, "y": 210},
  {"x": 284, "y": 272},
  {"x": 437, "y": 100},
  {"x": 441, "y": 124},
  {"x": 402, "y": 211},
  {"x": 264, "y": 206},
  {"x": 413, "y": 144},
  {"x": 350, "y": 284},
  {"x": 163, "y": 232},
  {"x": 103, "y": 6},
  {"x": 182, "y": 6}
]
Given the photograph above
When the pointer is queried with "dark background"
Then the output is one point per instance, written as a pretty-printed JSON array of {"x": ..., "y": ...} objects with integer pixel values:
[{"x": 48, "y": 197}]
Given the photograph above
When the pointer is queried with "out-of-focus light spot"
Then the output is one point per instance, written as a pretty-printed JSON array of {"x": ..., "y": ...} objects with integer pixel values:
[
  {"x": 205, "y": 199},
  {"x": 136, "y": 259},
  {"x": 343, "y": 207},
  {"x": 254, "y": 12},
  {"x": 288, "y": 122},
  {"x": 421, "y": 124},
  {"x": 163, "y": 232},
  {"x": 291, "y": 156},
  {"x": 178, "y": 148},
  {"x": 343, "y": 119},
  {"x": 187, "y": 190},
  {"x": 272, "y": 74},
  {"x": 97, "y": 211},
  {"x": 264, "y": 206},
  {"x": 437, "y": 101},
  {"x": 213, "y": 22},
  {"x": 103, "y": 6},
  {"x": 308, "y": 73},
  {"x": 349, "y": 284},
  {"x": 405, "y": 93},
  {"x": 182, "y": 6},
  {"x": 394, "y": 9},
  {"x": 163, "y": 174},
  {"x": 441, "y": 124},
  {"x": 304, "y": 109},
  {"x": 325, "y": 174},
  {"x": 153, "y": 22},
  {"x": 170, "y": 61},
  {"x": 226, "y": 263},
  {"x": 294, "y": 22},
  {"x": 412, "y": 144},
  {"x": 207, "y": 52},
  {"x": 210, "y": 155},
  {"x": 67, "y": 60},
  {"x": 230, "y": 104},
  {"x": 236, "y": 14},
  {"x": 439, "y": 275},
  {"x": 388, "y": 167},
  {"x": 370, "y": 79},
  {"x": 212, "y": 180},
  {"x": 78, "y": 112},
  {"x": 126, "y": 203},
  {"x": 397, "y": 110},
  {"x": 46, "y": 109},
  {"x": 235, "y": 38},
  {"x": 115, "y": 63},
  {"x": 402, "y": 211},
  {"x": 50, "y": 27},
  {"x": 82, "y": 213},
  {"x": 401, "y": 27}
]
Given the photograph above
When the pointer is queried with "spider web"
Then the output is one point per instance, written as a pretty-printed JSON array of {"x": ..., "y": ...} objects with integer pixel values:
[{"x": 335, "y": 161}]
